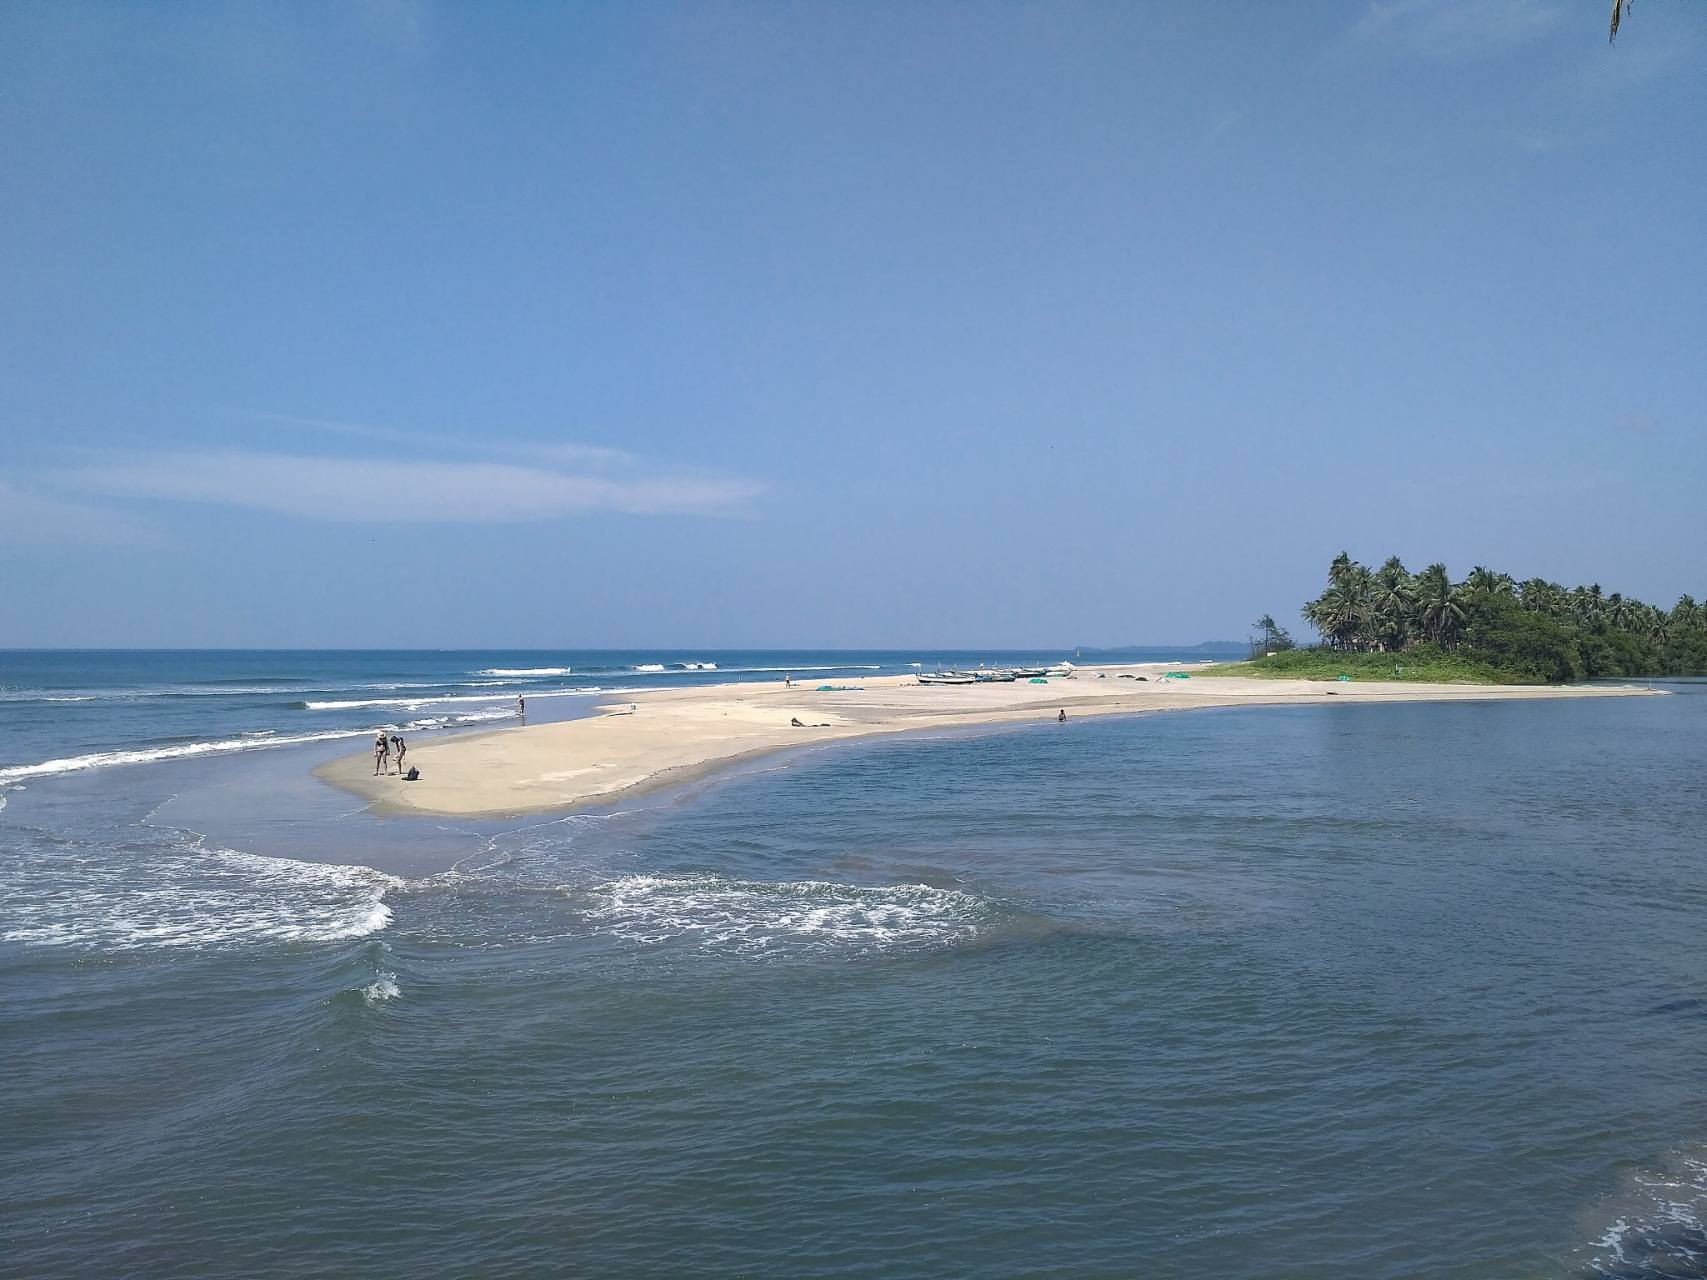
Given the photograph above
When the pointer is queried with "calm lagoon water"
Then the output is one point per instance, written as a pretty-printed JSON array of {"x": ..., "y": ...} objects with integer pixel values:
[{"x": 1347, "y": 991}]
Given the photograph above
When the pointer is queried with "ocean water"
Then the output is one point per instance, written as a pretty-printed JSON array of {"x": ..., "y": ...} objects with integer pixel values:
[{"x": 1353, "y": 991}]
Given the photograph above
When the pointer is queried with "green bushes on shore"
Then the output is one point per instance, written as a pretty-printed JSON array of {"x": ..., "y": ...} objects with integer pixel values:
[
  {"x": 1425, "y": 663},
  {"x": 1390, "y": 624}
]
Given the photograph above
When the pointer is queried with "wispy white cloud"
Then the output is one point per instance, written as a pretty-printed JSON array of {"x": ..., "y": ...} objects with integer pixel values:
[
  {"x": 378, "y": 490},
  {"x": 30, "y": 518},
  {"x": 1458, "y": 30},
  {"x": 576, "y": 455}
]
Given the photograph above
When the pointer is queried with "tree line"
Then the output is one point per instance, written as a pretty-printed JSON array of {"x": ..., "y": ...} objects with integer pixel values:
[{"x": 1532, "y": 629}]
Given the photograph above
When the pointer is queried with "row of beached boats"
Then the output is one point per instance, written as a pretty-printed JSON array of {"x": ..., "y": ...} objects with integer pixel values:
[{"x": 1004, "y": 675}]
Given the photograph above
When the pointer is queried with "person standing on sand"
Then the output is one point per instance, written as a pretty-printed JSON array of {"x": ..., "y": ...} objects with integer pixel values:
[
  {"x": 399, "y": 750},
  {"x": 788, "y": 681},
  {"x": 381, "y": 753}
]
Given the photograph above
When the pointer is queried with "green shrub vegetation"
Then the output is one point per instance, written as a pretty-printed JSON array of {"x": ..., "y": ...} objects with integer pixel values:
[
  {"x": 1424, "y": 662},
  {"x": 1390, "y": 624}
]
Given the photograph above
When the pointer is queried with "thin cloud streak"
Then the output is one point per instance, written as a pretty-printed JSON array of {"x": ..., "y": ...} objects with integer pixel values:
[
  {"x": 35, "y": 519},
  {"x": 1458, "y": 30},
  {"x": 381, "y": 491},
  {"x": 583, "y": 455}
]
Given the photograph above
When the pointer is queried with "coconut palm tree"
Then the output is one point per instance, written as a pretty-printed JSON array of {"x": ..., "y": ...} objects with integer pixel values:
[
  {"x": 1484, "y": 584},
  {"x": 1391, "y": 605},
  {"x": 1587, "y": 604},
  {"x": 1440, "y": 605},
  {"x": 1624, "y": 614},
  {"x": 1651, "y": 623},
  {"x": 1341, "y": 613},
  {"x": 1540, "y": 596},
  {"x": 1347, "y": 615}
]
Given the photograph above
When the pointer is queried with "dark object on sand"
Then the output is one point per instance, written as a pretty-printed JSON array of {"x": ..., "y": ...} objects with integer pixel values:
[
  {"x": 795, "y": 721},
  {"x": 414, "y": 775}
]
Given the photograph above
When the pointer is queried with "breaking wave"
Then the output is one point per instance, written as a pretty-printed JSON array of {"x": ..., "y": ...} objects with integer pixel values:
[
  {"x": 410, "y": 704},
  {"x": 180, "y": 895},
  {"x": 1659, "y": 1224},
  {"x": 178, "y": 751},
  {"x": 757, "y": 916},
  {"x": 384, "y": 987}
]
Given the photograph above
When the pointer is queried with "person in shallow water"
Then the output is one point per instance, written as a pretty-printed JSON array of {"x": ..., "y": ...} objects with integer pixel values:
[
  {"x": 522, "y": 709},
  {"x": 1062, "y": 718},
  {"x": 381, "y": 753}
]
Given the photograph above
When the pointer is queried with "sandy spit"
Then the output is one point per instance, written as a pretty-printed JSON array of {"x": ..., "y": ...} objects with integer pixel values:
[{"x": 651, "y": 741}]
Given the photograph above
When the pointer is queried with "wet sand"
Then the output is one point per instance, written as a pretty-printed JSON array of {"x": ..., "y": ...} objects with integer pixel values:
[{"x": 667, "y": 738}]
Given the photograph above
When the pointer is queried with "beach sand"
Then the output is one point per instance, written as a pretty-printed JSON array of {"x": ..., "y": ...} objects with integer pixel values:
[{"x": 651, "y": 741}]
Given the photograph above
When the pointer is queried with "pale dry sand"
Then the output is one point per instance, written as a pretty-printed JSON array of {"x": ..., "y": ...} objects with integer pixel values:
[{"x": 650, "y": 741}]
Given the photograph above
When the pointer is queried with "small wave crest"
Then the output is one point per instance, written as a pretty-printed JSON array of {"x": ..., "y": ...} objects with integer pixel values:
[
  {"x": 406, "y": 704},
  {"x": 177, "y": 751},
  {"x": 1659, "y": 1227},
  {"x": 761, "y": 917},
  {"x": 524, "y": 672}
]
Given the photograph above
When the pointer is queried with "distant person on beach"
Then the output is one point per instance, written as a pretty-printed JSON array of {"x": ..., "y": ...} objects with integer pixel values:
[
  {"x": 381, "y": 753},
  {"x": 399, "y": 750},
  {"x": 522, "y": 709},
  {"x": 1062, "y": 718},
  {"x": 788, "y": 681}
]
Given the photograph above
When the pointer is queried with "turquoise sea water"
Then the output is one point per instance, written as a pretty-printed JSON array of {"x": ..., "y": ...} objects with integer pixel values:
[{"x": 1355, "y": 991}]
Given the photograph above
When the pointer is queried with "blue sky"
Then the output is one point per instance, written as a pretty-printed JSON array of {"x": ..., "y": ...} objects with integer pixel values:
[{"x": 410, "y": 324}]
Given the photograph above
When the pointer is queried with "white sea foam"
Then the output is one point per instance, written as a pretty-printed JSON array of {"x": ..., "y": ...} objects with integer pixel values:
[
  {"x": 856, "y": 666},
  {"x": 384, "y": 987},
  {"x": 177, "y": 751},
  {"x": 759, "y": 916},
  {"x": 459, "y": 721},
  {"x": 179, "y": 895},
  {"x": 1659, "y": 1221},
  {"x": 403, "y": 704},
  {"x": 650, "y": 667},
  {"x": 136, "y": 694},
  {"x": 526, "y": 671},
  {"x": 411, "y": 704}
]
